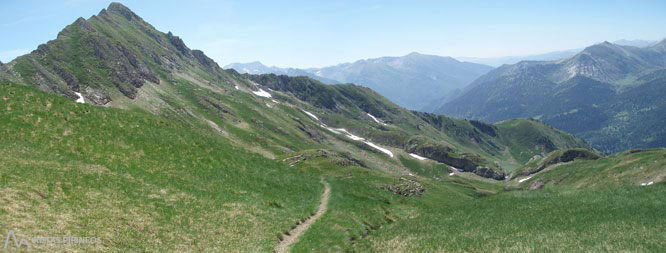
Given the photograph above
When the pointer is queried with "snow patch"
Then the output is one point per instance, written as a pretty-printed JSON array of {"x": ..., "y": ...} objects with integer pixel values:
[
  {"x": 237, "y": 87},
  {"x": 356, "y": 138},
  {"x": 646, "y": 184},
  {"x": 80, "y": 99},
  {"x": 451, "y": 174},
  {"x": 375, "y": 119},
  {"x": 350, "y": 135},
  {"x": 262, "y": 93},
  {"x": 275, "y": 101},
  {"x": 310, "y": 114},
  {"x": 524, "y": 179},
  {"x": 330, "y": 129},
  {"x": 386, "y": 151},
  {"x": 417, "y": 156}
]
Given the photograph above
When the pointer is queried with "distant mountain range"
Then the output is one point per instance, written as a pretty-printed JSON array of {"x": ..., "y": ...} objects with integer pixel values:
[
  {"x": 415, "y": 81},
  {"x": 439, "y": 79},
  {"x": 611, "y": 95},
  {"x": 257, "y": 68},
  {"x": 550, "y": 56}
]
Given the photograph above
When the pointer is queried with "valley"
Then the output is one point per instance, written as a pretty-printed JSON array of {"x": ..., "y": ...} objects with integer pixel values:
[{"x": 117, "y": 130}]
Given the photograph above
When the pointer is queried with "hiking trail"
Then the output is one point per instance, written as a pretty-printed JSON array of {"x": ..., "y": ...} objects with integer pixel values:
[{"x": 295, "y": 233}]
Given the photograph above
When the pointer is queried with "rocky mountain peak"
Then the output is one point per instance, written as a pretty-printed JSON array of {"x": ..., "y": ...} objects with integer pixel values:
[
  {"x": 120, "y": 9},
  {"x": 599, "y": 48}
]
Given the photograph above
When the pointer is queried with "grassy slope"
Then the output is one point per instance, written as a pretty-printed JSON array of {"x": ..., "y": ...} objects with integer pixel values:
[
  {"x": 112, "y": 173},
  {"x": 138, "y": 180},
  {"x": 526, "y": 137},
  {"x": 510, "y": 144},
  {"x": 178, "y": 177},
  {"x": 458, "y": 214},
  {"x": 619, "y": 219},
  {"x": 619, "y": 170}
]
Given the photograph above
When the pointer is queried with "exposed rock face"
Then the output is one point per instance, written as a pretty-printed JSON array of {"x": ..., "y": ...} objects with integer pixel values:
[
  {"x": 485, "y": 128},
  {"x": 3, "y": 71},
  {"x": 406, "y": 188},
  {"x": 568, "y": 156},
  {"x": 122, "y": 10},
  {"x": 562, "y": 156},
  {"x": 204, "y": 60},
  {"x": 464, "y": 162},
  {"x": 96, "y": 97},
  {"x": 313, "y": 133},
  {"x": 179, "y": 44}
]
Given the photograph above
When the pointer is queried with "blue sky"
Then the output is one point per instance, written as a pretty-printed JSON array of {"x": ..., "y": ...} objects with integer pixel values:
[{"x": 319, "y": 33}]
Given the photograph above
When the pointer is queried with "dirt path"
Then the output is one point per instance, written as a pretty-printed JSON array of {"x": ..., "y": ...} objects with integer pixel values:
[{"x": 295, "y": 233}]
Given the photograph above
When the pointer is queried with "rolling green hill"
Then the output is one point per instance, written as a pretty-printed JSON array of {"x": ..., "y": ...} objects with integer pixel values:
[
  {"x": 95, "y": 171},
  {"x": 164, "y": 151}
]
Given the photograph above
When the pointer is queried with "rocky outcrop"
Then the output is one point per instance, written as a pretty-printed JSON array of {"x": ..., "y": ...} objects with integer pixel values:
[
  {"x": 465, "y": 162},
  {"x": 204, "y": 60},
  {"x": 95, "y": 96},
  {"x": 341, "y": 159},
  {"x": 4, "y": 73},
  {"x": 568, "y": 156},
  {"x": 178, "y": 43},
  {"x": 560, "y": 156},
  {"x": 121, "y": 10},
  {"x": 484, "y": 128},
  {"x": 313, "y": 133},
  {"x": 406, "y": 188}
]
